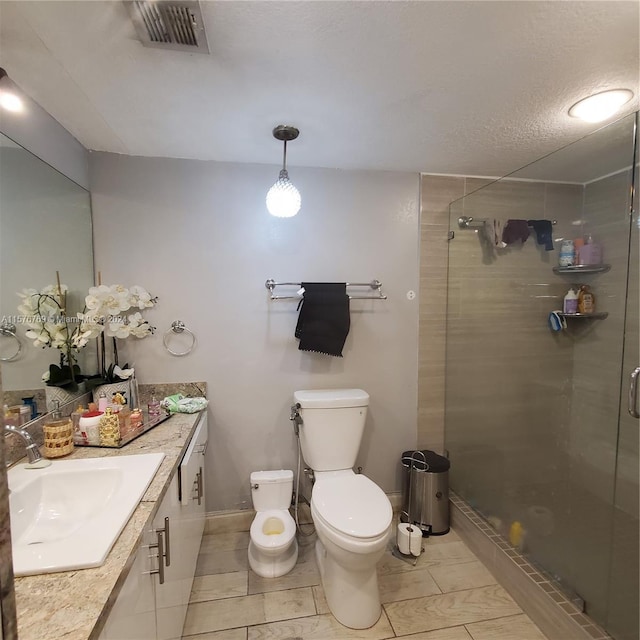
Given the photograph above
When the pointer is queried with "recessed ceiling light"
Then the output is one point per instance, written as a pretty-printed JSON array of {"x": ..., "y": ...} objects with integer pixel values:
[
  {"x": 10, "y": 101},
  {"x": 600, "y": 106}
]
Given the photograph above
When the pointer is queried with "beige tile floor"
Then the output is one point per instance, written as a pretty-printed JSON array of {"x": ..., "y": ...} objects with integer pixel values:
[{"x": 448, "y": 595}]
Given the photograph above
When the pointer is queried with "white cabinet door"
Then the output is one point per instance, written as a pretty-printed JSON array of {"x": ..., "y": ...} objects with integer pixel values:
[
  {"x": 192, "y": 500},
  {"x": 133, "y": 616},
  {"x": 182, "y": 513},
  {"x": 170, "y": 605},
  {"x": 153, "y": 601}
]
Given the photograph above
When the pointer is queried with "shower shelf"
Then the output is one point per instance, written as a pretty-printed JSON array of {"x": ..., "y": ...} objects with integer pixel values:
[
  {"x": 598, "y": 315},
  {"x": 583, "y": 268}
]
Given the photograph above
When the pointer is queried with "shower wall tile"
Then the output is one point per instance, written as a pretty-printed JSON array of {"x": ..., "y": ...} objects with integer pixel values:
[{"x": 489, "y": 297}]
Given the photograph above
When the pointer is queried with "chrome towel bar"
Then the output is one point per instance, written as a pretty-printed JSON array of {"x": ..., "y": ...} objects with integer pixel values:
[
  {"x": 375, "y": 285},
  {"x": 469, "y": 222}
]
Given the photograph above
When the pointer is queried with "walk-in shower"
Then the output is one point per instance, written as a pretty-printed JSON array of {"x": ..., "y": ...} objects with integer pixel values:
[{"x": 538, "y": 423}]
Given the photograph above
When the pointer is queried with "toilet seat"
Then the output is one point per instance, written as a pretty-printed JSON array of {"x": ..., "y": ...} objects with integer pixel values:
[
  {"x": 272, "y": 542},
  {"x": 353, "y": 506}
]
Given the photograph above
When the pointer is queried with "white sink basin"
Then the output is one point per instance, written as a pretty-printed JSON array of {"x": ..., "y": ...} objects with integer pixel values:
[{"x": 68, "y": 515}]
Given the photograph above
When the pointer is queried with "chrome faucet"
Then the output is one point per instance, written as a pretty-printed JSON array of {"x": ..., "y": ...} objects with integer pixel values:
[{"x": 33, "y": 453}]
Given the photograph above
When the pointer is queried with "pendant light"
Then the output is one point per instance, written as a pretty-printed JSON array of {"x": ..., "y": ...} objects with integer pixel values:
[{"x": 283, "y": 199}]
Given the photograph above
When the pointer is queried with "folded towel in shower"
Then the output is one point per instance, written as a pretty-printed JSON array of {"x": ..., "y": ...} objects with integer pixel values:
[
  {"x": 515, "y": 230},
  {"x": 323, "y": 323},
  {"x": 544, "y": 232}
]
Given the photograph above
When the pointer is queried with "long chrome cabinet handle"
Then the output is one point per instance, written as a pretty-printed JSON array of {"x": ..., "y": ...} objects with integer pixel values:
[
  {"x": 160, "y": 547},
  {"x": 167, "y": 541},
  {"x": 633, "y": 393},
  {"x": 200, "y": 487}
]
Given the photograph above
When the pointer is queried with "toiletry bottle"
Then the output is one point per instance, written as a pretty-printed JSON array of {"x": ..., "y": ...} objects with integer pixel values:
[
  {"x": 79, "y": 436},
  {"x": 109, "y": 429},
  {"x": 516, "y": 535},
  {"x": 136, "y": 420},
  {"x": 11, "y": 418},
  {"x": 58, "y": 435},
  {"x": 102, "y": 401},
  {"x": 153, "y": 408},
  {"x": 570, "y": 305},
  {"x": 567, "y": 254},
  {"x": 90, "y": 424},
  {"x": 124, "y": 417},
  {"x": 590, "y": 252},
  {"x": 30, "y": 401},
  {"x": 586, "y": 300}
]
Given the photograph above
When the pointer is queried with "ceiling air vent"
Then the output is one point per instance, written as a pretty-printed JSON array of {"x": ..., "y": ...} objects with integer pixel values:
[{"x": 169, "y": 24}]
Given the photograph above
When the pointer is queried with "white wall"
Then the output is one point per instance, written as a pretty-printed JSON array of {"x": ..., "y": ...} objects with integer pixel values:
[{"x": 197, "y": 235}]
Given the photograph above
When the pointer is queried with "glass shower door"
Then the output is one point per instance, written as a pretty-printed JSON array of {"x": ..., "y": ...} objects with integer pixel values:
[
  {"x": 533, "y": 423},
  {"x": 625, "y": 561}
]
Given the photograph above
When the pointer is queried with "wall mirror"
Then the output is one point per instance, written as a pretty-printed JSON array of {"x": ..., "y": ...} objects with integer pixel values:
[{"x": 45, "y": 226}]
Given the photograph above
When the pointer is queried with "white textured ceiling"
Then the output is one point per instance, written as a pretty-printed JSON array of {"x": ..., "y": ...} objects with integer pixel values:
[{"x": 447, "y": 87}]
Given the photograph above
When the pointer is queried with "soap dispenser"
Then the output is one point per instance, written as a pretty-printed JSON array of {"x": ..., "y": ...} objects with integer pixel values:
[{"x": 58, "y": 434}]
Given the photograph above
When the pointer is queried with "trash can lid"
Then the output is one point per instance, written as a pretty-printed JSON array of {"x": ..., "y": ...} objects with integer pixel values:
[{"x": 435, "y": 463}]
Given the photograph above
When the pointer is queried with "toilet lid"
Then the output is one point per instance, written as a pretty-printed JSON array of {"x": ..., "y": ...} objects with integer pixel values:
[{"x": 353, "y": 505}]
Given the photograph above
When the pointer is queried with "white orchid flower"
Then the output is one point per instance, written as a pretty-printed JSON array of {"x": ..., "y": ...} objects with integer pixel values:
[
  {"x": 93, "y": 303},
  {"x": 117, "y": 330},
  {"x": 140, "y": 297},
  {"x": 45, "y": 376},
  {"x": 123, "y": 374},
  {"x": 40, "y": 338}
]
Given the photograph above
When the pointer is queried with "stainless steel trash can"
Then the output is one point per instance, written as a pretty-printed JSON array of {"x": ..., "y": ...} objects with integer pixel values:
[{"x": 426, "y": 481}]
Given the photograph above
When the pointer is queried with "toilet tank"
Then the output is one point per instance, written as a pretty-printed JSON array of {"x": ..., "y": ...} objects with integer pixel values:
[
  {"x": 332, "y": 426},
  {"x": 271, "y": 489}
]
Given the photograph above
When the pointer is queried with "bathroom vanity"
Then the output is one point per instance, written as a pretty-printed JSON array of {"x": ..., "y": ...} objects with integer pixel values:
[{"x": 144, "y": 585}]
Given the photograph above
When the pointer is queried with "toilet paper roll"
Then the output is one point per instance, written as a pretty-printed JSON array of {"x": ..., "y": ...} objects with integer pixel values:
[
  {"x": 415, "y": 541},
  {"x": 409, "y": 539},
  {"x": 403, "y": 538}
]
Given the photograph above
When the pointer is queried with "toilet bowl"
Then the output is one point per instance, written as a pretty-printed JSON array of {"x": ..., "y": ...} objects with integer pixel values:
[
  {"x": 273, "y": 548},
  {"x": 353, "y": 517},
  {"x": 351, "y": 513}
]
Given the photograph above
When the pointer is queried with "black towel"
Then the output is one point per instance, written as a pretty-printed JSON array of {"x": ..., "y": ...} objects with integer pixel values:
[
  {"x": 544, "y": 232},
  {"x": 515, "y": 230},
  {"x": 323, "y": 323}
]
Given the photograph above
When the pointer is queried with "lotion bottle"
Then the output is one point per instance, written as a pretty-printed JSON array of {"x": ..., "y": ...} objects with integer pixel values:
[{"x": 570, "y": 305}]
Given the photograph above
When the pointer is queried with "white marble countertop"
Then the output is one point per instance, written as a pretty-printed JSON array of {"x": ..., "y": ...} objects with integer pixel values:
[{"x": 74, "y": 604}]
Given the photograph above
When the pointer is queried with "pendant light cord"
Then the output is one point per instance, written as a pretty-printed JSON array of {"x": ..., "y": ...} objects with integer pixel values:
[{"x": 284, "y": 157}]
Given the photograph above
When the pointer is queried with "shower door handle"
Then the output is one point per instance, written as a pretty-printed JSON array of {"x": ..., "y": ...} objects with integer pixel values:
[{"x": 633, "y": 393}]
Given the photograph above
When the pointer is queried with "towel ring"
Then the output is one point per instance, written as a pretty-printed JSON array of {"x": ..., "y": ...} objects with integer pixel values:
[
  {"x": 9, "y": 330},
  {"x": 177, "y": 326}
]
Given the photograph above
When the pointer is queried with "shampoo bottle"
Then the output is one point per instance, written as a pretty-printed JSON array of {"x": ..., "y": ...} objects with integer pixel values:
[
  {"x": 586, "y": 300},
  {"x": 570, "y": 305}
]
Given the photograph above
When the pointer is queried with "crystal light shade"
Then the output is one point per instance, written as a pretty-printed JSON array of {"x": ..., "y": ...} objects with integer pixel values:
[{"x": 283, "y": 199}]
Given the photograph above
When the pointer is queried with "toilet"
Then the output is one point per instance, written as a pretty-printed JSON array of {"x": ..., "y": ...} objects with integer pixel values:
[
  {"x": 273, "y": 548},
  {"x": 352, "y": 515}
]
